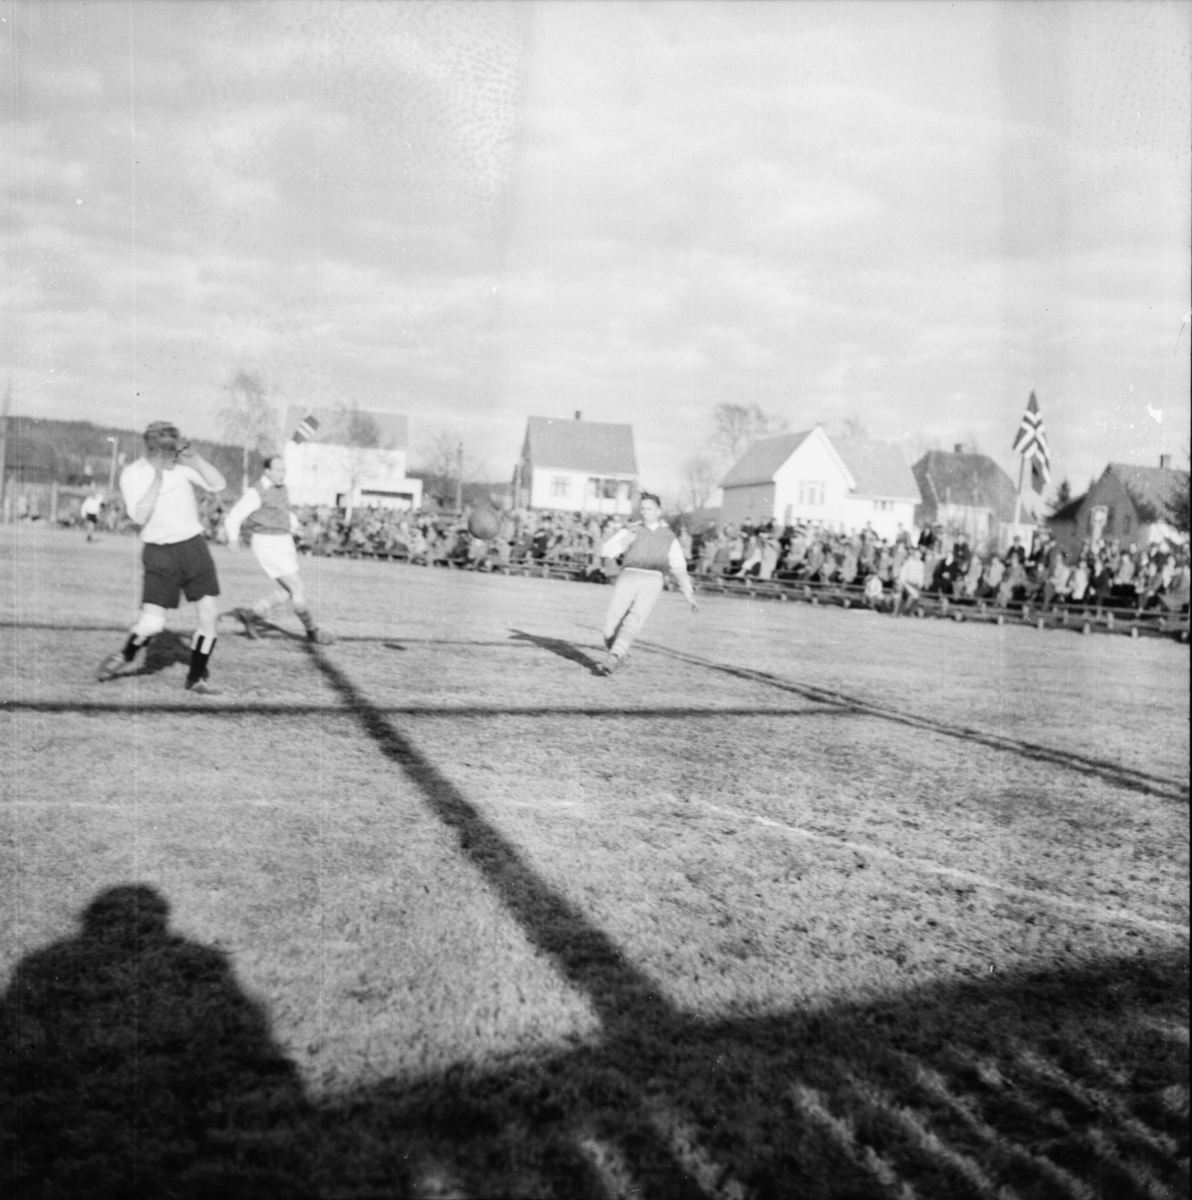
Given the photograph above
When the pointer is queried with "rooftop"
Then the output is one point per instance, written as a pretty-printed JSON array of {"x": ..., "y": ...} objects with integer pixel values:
[{"x": 599, "y": 447}]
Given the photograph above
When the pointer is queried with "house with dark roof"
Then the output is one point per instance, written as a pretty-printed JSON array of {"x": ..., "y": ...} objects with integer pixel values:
[
  {"x": 846, "y": 482},
  {"x": 356, "y": 459},
  {"x": 966, "y": 493},
  {"x": 576, "y": 466},
  {"x": 1129, "y": 502}
]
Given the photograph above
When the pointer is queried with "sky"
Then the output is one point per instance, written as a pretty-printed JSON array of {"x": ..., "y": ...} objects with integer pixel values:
[{"x": 904, "y": 214}]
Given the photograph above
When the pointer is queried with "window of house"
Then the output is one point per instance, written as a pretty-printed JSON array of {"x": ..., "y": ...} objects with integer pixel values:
[
  {"x": 811, "y": 491},
  {"x": 593, "y": 491},
  {"x": 883, "y": 505},
  {"x": 610, "y": 489},
  {"x": 560, "y": 485}
]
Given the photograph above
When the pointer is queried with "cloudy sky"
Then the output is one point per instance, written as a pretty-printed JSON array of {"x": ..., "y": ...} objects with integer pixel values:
[{"x": 906, "y": 213}]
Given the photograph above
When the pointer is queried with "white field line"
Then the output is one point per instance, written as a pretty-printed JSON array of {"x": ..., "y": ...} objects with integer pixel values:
[
  {"x": 1097, "y": 912},
  {"x": 609, "y": 1163},
  {"x": 812, "y": 1105},
  {"x": 712, "y": 1179},
  {"x": 934, "y": 1084},
  {"x": 929, "y": 1142}
]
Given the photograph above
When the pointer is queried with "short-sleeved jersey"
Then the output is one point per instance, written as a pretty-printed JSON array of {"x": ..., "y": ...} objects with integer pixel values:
[{"x": 175, "y": 516}]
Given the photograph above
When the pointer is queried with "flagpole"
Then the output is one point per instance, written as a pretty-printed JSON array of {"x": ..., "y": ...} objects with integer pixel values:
[{"x": 1018, "y": 494}]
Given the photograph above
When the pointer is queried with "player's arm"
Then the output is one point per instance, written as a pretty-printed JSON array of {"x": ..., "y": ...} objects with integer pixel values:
[
  {"x": 678, "y": 568},
  {"x": 618, "y": 543},
  {"x": 213, "y": 481},
  {"x": 239, "y": 513}
]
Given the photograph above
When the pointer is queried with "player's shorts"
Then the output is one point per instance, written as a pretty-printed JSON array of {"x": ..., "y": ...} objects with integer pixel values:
[
  {"x": 176, "y": 568},
  {"x": 91, "y": 519},
  {"x": 276, "y": 553}
]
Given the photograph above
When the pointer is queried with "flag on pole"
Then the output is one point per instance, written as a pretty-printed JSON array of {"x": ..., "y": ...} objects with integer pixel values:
[
  {"x": 1031, "y": 443},
  {"x": 307, "y": 428}
]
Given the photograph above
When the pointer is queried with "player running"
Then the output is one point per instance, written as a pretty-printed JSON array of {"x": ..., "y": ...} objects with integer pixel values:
[
  {"x": 264, "y": 511},
  {"x": 159, "y": 493},
  {"x": 651, "y": 551}
]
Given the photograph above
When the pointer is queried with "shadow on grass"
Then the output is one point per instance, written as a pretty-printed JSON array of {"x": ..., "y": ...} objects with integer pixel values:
[
  {"x": 1112, "y": 772},
  {"x": 133, "y": 1064},
  {"x": 565, "y": 650}
]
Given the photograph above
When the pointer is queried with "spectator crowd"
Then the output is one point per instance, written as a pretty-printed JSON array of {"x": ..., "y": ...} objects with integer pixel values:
[{"x": 886, "y": 574}]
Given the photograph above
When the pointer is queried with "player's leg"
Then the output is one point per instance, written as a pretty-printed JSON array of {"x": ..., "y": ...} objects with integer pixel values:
[
  {"x": 149, "y": 624},
  {"x": 201, "y": 586},
  {"x": 618, "y": 606},
  {"x": 646, "y": 587},
  {"x": 293, "y": 585},
  {"x": 160, "y": 589}
]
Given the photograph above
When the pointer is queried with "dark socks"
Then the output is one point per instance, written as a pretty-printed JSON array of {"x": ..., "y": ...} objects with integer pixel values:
[
  {"x": 308, "y": 621},
  {"x": 201, "y": 648},
  {"x": 131, "y": 647}
]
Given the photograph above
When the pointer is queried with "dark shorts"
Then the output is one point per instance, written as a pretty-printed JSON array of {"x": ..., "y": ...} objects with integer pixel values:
[{"x": 181, "y": 567}]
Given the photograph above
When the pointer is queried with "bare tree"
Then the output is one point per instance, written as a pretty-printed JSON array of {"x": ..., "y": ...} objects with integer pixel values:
[
  {"x": 698, "y": 478},
  {"x": 855, "y": 428},
  {"x": 445, "y": 465},
  {"x": 248, "y": 418},
  {"x": 736, "y": 426}
]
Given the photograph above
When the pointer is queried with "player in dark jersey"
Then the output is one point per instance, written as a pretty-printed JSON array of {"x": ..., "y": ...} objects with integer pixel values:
[
  {"x": 264, "y": 511},
  {"x": 651, "y": 552}
]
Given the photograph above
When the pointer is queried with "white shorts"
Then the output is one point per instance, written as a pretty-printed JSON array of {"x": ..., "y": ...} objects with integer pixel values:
[{"x": 276, "y": 554}]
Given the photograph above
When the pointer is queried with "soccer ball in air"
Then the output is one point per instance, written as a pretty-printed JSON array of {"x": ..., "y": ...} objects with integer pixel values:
[{"x": 484, "y": 524}]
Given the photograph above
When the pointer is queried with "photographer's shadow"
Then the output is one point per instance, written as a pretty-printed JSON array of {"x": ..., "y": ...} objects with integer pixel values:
[{"x": 131, "y": 1063}]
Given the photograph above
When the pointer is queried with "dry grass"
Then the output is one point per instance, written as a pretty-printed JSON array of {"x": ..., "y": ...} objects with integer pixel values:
[{"x": 805, "y": 902}]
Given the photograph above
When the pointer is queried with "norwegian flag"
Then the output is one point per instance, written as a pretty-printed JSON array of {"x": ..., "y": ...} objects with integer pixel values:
[
  {"x": 1031, "y": 443},
  {"x": 308, "y": 427}
]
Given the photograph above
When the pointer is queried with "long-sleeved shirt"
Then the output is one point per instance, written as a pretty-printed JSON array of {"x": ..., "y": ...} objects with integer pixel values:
[
  {"x": 268, "y": 498},
  {"x": 623, "y": 540}
]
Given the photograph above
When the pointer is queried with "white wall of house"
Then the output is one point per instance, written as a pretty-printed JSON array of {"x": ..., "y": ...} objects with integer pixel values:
[
  {"x": 578, "y": 491},
  {"x": 885, "y": 516},
  {"x": 317, "y": 473},
  {"x": 747, "y": 505},
  {"x": 813, "y": 484}
]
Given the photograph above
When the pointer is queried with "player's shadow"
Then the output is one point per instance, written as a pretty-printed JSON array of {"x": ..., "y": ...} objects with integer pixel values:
[
  {"x": 566, "y": 650},
  {"x": 167, "y": 649},
  {"x": 131, "y": 1063}
]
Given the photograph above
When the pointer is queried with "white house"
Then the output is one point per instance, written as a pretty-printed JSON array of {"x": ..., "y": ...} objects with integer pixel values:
[
  {"x": 576, "y": 466},
  {"x": 846, "y": 483},
  {"x": 357, "y": 460}
]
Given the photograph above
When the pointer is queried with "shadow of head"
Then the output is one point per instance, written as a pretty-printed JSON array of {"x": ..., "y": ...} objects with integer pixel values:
[{"x": 130, "y": 911}]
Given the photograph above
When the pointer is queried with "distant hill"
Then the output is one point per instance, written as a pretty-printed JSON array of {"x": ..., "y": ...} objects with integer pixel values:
[{"x": 76, "y": 452}]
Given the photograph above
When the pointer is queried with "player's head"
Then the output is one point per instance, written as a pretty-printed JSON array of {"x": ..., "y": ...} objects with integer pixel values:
[
  {"x": 275, "y": 469},
  {"x": 650, "y": 505},
  {"x": 163, "y": 439}
]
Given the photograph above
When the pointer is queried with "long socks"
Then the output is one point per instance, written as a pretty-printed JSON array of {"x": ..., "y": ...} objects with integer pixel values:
[{"x": 201, "y": 647}]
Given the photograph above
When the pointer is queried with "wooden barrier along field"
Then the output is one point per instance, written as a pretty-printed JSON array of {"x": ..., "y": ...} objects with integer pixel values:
[{"x": 1079, "y": 618}]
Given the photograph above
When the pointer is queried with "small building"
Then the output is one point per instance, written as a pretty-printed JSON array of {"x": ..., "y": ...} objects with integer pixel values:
[
  {"x": 967, "y": 493},
  {"x": 356, "y": 460},
  {"x": 1128, "y": 502},
  {"x": 576, "y": 466},
  {"x": 848, "y": 483}
]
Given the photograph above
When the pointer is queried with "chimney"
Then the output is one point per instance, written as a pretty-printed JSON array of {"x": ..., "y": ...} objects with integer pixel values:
[
  {"x": 959, "y": 447},
  {"x": 579, "y": 416},
  {"x": 1165, "y": 462}
]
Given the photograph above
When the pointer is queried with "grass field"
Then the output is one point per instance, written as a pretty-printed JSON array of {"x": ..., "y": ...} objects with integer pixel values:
[{"x": 805, "y": 903}]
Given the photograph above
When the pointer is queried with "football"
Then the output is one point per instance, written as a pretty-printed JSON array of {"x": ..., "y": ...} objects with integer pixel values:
[{"x": 484, "y": 523}]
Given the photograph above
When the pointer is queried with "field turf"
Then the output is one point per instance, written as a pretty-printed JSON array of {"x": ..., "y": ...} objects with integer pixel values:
[{"x": 806, "y": 902}]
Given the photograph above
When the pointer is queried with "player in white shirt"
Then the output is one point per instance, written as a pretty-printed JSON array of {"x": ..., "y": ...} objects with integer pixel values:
[
  {"x": 159, "y": 493},
  {"x": 89, "y": 510}
]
